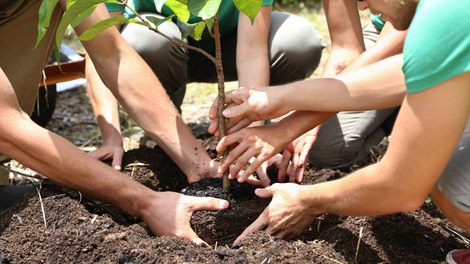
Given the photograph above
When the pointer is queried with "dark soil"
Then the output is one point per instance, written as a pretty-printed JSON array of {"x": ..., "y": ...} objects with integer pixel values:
[{"x": 82, "y": 230}]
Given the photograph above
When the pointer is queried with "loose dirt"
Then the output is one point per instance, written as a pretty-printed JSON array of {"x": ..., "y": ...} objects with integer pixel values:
[{"x": 82, "y": 230}]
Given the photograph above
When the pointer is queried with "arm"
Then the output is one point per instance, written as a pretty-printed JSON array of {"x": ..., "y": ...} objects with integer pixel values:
[
  {"x": 166, "y": 213},
  {"x": 252, "y": 49},
  {"x": 143, "y": 98},
  {"x": 105, "y": 107},
  {"x": 428, "y": 128},
  {"x": 389, "y": 43},
  {"x": 344, "y": 26},
  {"x": 377, "y": 86}
]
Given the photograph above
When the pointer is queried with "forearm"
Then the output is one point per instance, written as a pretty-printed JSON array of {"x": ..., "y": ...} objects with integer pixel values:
[
  {"x": 252, "y": 49},
  {"x": 136, "y": 87},
  {"x": 346, "y": 35},
  {"x": 104, "y": 104},
  {"x": 377, "y": 86},
  {"x": 67, "y": 165},
  {"x": 389, "y": 43},
  {"x": 300, "y": 122}
]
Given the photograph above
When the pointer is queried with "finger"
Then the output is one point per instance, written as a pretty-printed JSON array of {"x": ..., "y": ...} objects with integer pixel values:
[
  {"x": 213, "y": 110},
  {"x": 259, "y": 224},
  {"x": 117, "y": 160},
  {"x": 265, "y": 192},
  {"x": 253, "y": 181},
  {"x": 286, "y": 155},
  {"x": 208, "y": 203},
  {"x": 236, "y": 111},
  {"x": 238, "y": 166},
  {"x": 262, "y": 172},
  {"x": 213, "y": 127},
  {"x": 234, "y": 127}
]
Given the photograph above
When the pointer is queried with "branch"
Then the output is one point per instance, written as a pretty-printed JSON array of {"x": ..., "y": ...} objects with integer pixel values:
[{"x": 180, "y": 44}]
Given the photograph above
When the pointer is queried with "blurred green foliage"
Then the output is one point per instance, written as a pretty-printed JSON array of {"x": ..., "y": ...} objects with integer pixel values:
[{"x": 297, "y": 4}]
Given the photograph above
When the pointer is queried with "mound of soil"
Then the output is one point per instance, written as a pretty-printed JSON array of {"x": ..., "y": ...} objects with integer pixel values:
[{"x": 76, "y": 229}]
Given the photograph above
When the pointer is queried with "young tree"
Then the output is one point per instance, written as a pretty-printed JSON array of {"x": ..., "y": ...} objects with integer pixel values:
[{"x": 206, "y": 10}]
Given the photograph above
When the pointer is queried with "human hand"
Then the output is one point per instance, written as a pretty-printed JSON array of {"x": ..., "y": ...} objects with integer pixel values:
[
  {"x": 110, "y": 150},
  {"x": 169, "y": 213},
  {"x": 286, "y": 216},
  {"x": 246, "y": 105},
  {"x": 295, "y": 156},
  {"x": 262, "y": 171},
  {"x": 259, "y": 142}
]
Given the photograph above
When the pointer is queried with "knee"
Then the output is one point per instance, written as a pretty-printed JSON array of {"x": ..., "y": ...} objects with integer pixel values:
[
  {"x": 297, "y": 41},
  {"x": 458, "y": 217}
]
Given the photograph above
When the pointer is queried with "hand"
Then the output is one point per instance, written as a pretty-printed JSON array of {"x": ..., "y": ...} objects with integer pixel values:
[
  {"x": 297, "y": 151},
  {"x": 259, "y": 142},
  {"x": 286, "y": 216},
  {"x": 169, "y": 213},
  {"x": 110, "y": 150},
  {"x": 255, "y": 104},
  {"x": 262, "y": 171}
]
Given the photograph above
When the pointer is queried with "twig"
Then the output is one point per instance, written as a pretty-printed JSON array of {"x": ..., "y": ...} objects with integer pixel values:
[
  {"x": 42, "y": 207},
  {"x": 466, "y": 240},
  {"x": 323, "y": 255},
  {"x": 22, "y": 174},
  {"x": 89, "y": 140},
  {"x": 215, "y": 248},
  {"x": 358, "y": 243}
]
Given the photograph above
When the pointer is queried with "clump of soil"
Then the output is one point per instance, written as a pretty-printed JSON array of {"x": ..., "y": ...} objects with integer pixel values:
[{"x": 82, "y": 230}]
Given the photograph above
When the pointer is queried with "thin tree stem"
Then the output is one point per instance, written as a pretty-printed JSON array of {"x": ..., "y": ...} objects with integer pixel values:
[{"x": 221, "y": 86}]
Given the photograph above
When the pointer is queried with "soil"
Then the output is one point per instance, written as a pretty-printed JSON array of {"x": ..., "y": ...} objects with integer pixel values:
[{"x": 83, "y": 230}]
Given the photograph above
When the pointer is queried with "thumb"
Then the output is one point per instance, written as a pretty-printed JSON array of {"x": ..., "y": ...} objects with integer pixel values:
[
  {"x": 236, "y": 111},
  {"x": 264, "y": 192},
  {"x": 209, "y": 203}
]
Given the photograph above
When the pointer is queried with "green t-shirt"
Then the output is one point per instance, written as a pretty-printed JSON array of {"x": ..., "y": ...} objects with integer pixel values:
[
  {"x": 228, "y": 19},
  {"x": 437, "y": 46},
  {"x": 376, "y": 19}
]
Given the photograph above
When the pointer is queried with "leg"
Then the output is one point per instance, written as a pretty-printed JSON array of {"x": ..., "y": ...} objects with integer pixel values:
[
  {"x": 167, "y": 60},
  {"x": 452, "y": 191},
  {"x": 295, "y": 48},
  {"x": 346, "y": 138}
]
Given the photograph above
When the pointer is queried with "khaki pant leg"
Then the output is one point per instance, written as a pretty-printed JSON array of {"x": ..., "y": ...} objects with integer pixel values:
[{"x": 20, "y": 62}]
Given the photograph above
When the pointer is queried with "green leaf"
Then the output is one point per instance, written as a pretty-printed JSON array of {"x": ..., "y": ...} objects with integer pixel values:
[
  {"x": 194, "y": 30},
  {"x": 74, "y": 9},
  {"x": 79, "y": 19},
  {"x": 180, "y": 8},
  {"x": 209, "y": 24},
  {"x": 158, "y": 21},
  {"x": 45, "y": 13},
  {"x": 204, "y": 9},
  {"x": 249, "y": 7},
  {"x": 90, "y": 33}
]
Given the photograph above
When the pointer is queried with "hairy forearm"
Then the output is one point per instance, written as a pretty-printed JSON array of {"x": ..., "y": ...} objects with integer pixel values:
[
  {"x": 67, "y": 165},
  {"x": 136, "y": 87},
  {"x": 377, "y": 86}
]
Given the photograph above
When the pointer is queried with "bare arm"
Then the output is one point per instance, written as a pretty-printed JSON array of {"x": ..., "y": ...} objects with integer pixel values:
[
  {"x": 428, "y": 128},
  {"x": 345, "y": 30},
  {"x": 136, "y": 87},
  {"x": 389, "y": 43},
  {"x": 252, "y": 49},
  {"x": 105, "y": 107}
]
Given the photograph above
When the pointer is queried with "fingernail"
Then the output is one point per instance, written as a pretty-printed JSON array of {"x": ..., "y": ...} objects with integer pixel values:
[
  {"x": 223, "y": 203},
  {"x": 236, "y": 246},
  {"x": 219, "y": 170},
  {"x": 226, "y": 112}
]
